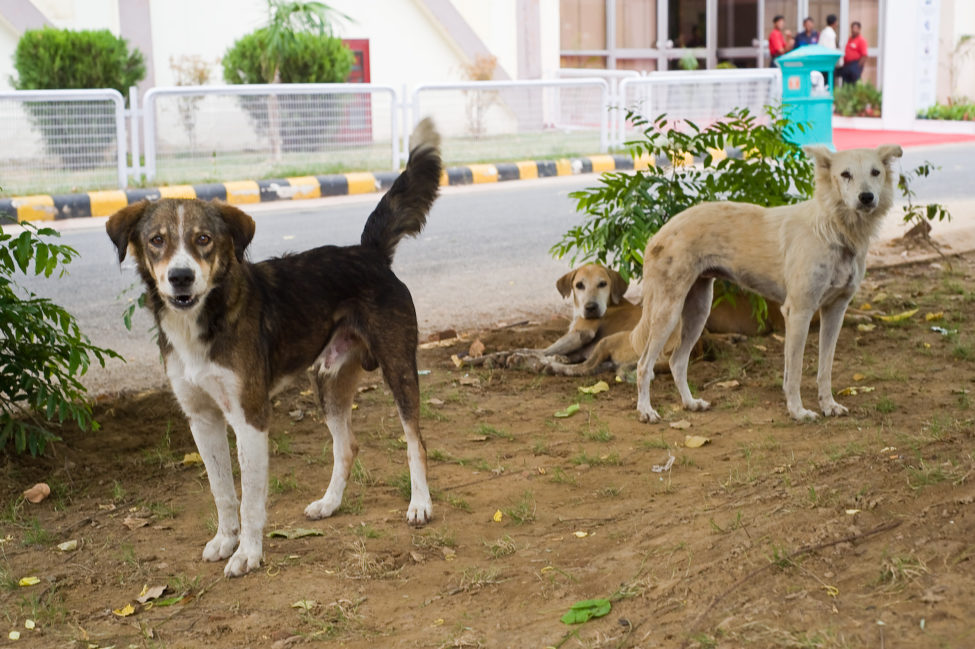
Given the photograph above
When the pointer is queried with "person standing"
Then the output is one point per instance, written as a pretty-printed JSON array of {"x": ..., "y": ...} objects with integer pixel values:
[
  {"x": 808, "y": 35},
  {"x": 776, "y": 39},
  {"x": 827, "y": 37},
  {"x": 854, "y": 56}
]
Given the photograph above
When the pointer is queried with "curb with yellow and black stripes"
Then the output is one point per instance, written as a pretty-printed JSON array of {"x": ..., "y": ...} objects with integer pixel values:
[{"x": 50, "y": 207}]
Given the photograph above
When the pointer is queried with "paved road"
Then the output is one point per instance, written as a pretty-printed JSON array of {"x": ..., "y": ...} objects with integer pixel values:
[{"x": 483, "y": 258}]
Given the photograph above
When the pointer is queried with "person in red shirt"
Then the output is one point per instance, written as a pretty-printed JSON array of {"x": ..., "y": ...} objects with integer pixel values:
[
  {"x": 854, "y": 56},
  {"x": 776, "y": 39}
]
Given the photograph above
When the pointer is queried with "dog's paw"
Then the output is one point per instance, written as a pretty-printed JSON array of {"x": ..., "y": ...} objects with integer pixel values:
[
  {"x": 245, "y": 559},
  {"x": 801, "y": 414},
  {"x": 220, "y": 547},
  {"x": 833, "y": 409},
  {"x": 322, "y": 508},
  {"x": 697, "y": 405},
  {"x": 649, "y": 416},
  {"x": 419, "y": 513}
]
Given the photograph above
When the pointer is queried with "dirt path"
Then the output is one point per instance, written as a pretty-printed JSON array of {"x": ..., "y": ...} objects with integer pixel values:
[{"x": 853, "y": 532}]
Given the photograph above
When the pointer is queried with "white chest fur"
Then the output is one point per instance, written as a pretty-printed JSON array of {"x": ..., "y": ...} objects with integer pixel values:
[{"x": 189, "y": 360}]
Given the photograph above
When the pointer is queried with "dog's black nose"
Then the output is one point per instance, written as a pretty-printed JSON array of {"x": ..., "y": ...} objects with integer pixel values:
[
  {"x": 866, "y": 198},
  {"x": 181, "y": 277}
]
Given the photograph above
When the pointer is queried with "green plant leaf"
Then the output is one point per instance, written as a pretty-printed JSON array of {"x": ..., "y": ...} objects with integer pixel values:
[{"x": 586, "y": 610}]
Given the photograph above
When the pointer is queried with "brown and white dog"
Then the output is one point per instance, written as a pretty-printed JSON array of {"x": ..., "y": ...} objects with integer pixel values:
[
  {"x": 809, "y": 257},
  {"x": 232, "y": 333}
]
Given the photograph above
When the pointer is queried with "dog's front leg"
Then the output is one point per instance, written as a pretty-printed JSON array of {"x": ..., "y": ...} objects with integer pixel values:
[
  {"x": 252, "y": 455},
  {"x": 570, "y": 342},
  {"x": 830, "y": 322},
  {"x": 796, "y": 330},
  {"x": 209, "y": 430}
]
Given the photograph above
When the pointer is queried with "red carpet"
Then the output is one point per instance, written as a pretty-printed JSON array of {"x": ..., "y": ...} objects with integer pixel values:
[{"x": 848, "y": 138}]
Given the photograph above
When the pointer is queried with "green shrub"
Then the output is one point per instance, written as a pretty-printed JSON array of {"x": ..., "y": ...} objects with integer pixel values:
[
  {"x": 861, "y": 99},
  {"x": 626, "y": 209},
  {"x": 52, "y": 59},
  {"x": 42, "y": 351},
  {"x": 305, "y": 58},
  {"x": 962, "y": 111}
]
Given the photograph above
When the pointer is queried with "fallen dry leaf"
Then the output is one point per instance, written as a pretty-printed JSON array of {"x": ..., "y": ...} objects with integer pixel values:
[
  {"x": 865, "y": 306},
  {"x": 125, "y": 611},
  {"x": 68, "y": 546},
  {"x": 866, "y": 327},
  {"x": 134, "y": 522},
  {"x": 727, "y": 385},
  {"x": 472, "y": 381},
  {"x": 37, "y": 493},
  {"x": 28, "y": 581},
  {"x": 596, "y": 388},
  {"x": 568, "y": 412},
  {"x": 148, "y": 594},
  {"x": 305, "y": 604},
  {"x": 680, "y": 424},
  {"x": 497, "y": 516},
  {"x": 934, "y": 316},
  {"x": 433, "y": 401},
  {"x": 455, "y": 359},
  {"x": 897, "y": 317},
  {"x": 695, "y": 441},
  {"x": 580, "y": 534},
  {"x": 859, "y": 377},
  {"x": 14, "y": 635},
  {"x": 449, "y": 554},
  {"x": 477, "y": 349},
  {"x": 191, "y": 459}
]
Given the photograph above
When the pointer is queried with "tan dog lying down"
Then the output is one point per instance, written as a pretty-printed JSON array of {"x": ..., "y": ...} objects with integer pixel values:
[
  {"x": 810, "y": 257},
  {"x": 598, "y": 338}
]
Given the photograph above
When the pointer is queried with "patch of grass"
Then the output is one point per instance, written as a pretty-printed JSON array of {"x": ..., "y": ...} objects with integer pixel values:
[
  {"x": 161, "y": 455},
  {"x": 333, "y": 619},
  {"x": 600, "y": 435},
  {"x": 609, "y": 459},
  {"x": 362, "y": 564},
  {"x": 926, "y": 475},
  {"x": 366, "y": 531},
  {"x": 780, "y": 558},
  {"x": 351, "y": 505},
  {"x": 852, "y": 448},
  {"x": 502, "y": 547},
  {"x": 609, "y": 492},
  {"x": 493, "y": 433},
  {"x": 475, "y": 578},
  {"x": 162, "y": 511},
  {"x": 401, "y": 484},
  {"x": 118, "y": 491},
  {"x": 281, "y": 445},
  {"x": 362, "y": 476},
  {"x": 283, "y": 484},
  {"x": 442, "y": 537},
  {"x": 183, "y": 584},
  {"x": 523, "y": 511},
  {"x": 658, "y": 443},
  {"x": 885, "y": 405},
  {"x": 454, "y": 501},
  {"x": 561, "y": 477},
  {"x": 897, "y": 571},
  {"x": 35, "y": 534},
  {"x": 736, "y": 524},
  {"x": 540, "y": 447},
  {"x": 429, "y": 412},
  {"x": 46, "y": 608},
  {"x": 962, "y": 351}
]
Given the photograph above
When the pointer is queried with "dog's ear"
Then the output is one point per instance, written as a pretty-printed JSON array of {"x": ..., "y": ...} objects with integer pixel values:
[
  {"x": 820, "y": 155},
  {"x": 241, "y": 227},
  {"x": 888, "y": 152},
  {"x": 122, "y": 225},
  {"x": 564, "y": 283},
  {"x": 618, "y": 286}
]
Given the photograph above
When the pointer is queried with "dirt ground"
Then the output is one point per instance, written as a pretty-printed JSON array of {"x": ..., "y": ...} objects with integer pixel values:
[{"x": 853, "y": 532}]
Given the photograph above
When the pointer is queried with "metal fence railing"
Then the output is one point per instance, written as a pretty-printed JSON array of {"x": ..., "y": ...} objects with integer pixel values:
[
  {"x": 268, "y": 130},
  {"x": 700, "y": 96},
  {"x": 55, "y": 141},
  {"x": 509, "y": 120}
]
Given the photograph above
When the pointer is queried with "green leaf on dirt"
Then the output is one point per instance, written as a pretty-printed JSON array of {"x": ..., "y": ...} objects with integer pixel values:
[
  {"x": 568, "y": 412},
  {"x": 897, "y": 317},
  {"x": 586, "y": 610},
  {"x": 295, "y": 533},
  {"x": 596, "y": 388},
  {"x": 169, "y": 601}
]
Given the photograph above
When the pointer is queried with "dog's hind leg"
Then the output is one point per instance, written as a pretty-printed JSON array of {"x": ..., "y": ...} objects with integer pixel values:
[
  {"x": 335, "y": 378},
  {"x": 697, "y": 306},
  {"x": 796, "y": 330},
  {"x": 830, "y": 321},
  {"x": 662, "y": 314},
  {"x": 209, "y": 430}
]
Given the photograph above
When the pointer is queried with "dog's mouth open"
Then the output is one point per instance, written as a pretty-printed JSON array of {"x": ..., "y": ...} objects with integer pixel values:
[{"x": 183, "y": 301}]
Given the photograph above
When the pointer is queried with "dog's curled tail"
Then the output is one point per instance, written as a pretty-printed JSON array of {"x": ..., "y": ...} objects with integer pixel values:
[
  {"x": 403, "y": 210},
  {"x": 641, "y": 332}
]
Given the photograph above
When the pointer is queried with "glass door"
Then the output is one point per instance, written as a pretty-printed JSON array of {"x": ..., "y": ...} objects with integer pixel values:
[
  {"x": 685, "y": 47},
  {"x": 739, "y": 35}
]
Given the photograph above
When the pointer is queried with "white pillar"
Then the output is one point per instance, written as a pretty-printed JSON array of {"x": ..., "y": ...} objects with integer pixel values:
[{"x": 899, "y": 69}]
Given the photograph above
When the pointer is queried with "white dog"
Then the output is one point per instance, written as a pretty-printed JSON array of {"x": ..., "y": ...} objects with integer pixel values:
[{"x": 810, "y": 256}]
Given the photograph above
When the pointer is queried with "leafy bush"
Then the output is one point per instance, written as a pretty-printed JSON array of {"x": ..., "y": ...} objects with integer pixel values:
[
  {"x": 962, "y": 111},
  {"x": 42, "y": 351},
  {"x": 50, "y": 58},
  {"x": 861, "y": 99},
  {"x": 626, "y": 209},
  {"x": 307, "y": 58}
]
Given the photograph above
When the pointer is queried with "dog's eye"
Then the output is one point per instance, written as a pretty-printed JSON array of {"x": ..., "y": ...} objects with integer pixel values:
[
  {"x": 602, "y": 284},
  {"x": 157, "y": 240},
  {"x": 580, "y": 286},
  {"x": 846, "y": 175},
  {"x": 875, "y": 172},
  {"x": 203, "y": 239}
]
